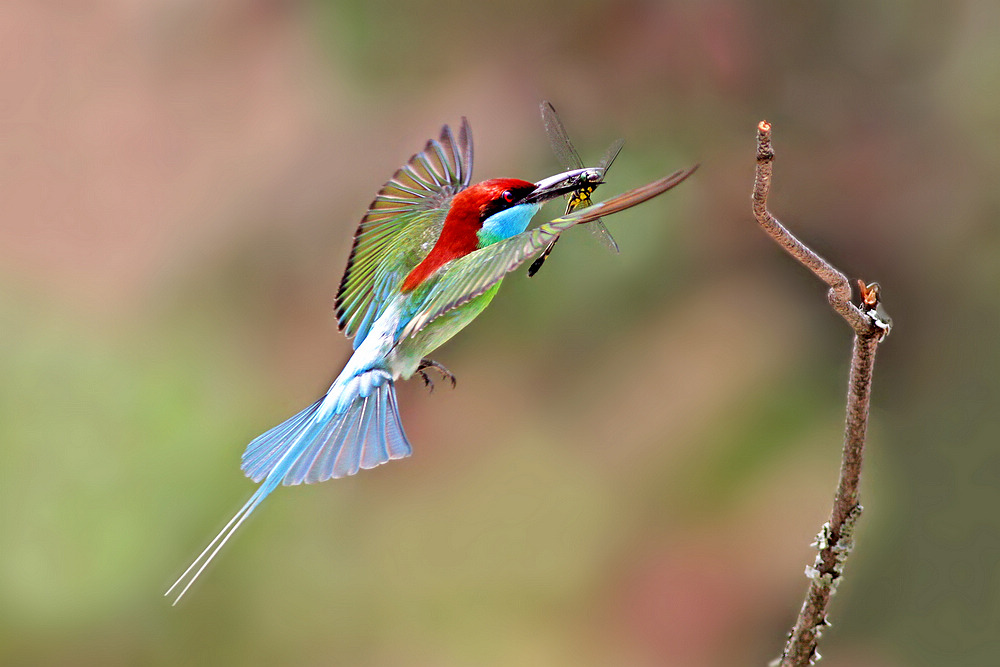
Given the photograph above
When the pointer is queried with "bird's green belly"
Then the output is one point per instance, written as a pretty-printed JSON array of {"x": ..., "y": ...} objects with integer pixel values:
[{"x": 407, "y": 355}]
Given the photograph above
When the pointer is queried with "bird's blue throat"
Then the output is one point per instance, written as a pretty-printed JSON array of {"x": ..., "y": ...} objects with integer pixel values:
[{"x": 507, "y": 223}]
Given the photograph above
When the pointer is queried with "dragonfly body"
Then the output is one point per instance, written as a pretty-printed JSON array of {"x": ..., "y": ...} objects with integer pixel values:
[{"x": 580, "y": 198}]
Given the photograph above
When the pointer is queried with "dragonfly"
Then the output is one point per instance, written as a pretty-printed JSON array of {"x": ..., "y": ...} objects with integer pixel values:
[{"x": 580, "y": 198}]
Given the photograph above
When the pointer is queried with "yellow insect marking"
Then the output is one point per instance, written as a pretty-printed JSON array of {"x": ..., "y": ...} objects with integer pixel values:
[{"x": 580, "y": 199}]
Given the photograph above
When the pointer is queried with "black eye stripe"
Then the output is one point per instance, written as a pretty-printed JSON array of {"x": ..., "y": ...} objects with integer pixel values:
[{"x": 506, "y": 199}]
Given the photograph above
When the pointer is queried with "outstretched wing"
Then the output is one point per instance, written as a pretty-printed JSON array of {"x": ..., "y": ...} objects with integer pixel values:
[
  {"x": 471, "y": 275},
  {"x": 401, "y": 226}
]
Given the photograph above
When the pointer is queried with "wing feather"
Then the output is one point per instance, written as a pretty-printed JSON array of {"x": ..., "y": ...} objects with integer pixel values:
[{"x": 401, "y": 225}]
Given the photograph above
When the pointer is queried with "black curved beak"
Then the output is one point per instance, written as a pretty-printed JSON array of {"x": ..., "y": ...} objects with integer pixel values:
[{"x": 563, "y": 184}]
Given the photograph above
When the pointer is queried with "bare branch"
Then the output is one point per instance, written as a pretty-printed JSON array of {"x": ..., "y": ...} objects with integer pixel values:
[
  {"x": 840, "y": 288},
  {"x": 871, "y": 325}
]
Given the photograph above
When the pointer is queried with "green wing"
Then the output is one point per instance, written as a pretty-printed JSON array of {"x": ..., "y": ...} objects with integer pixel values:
[
  {"x": 401, "y": 226},
  {"x": 469, "y": 276}
]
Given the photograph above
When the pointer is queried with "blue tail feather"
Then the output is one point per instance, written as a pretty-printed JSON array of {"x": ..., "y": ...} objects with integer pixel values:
[
  {"x": 397, "y": 444},
  {"x": 375, "y": 447},
  {"x": 322, "y": 467},
  {"x": 334, "y": 437},
  {"x": 349, "y": 459},
  {"x": 263, "y": 452},
  {"x": 312, "y": 441}
]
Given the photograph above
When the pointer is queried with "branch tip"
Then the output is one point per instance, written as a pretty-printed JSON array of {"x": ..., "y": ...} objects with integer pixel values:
[{"x": 764, "y": 152}]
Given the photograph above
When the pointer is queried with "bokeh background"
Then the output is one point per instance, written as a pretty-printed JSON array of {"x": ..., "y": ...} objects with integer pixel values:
[{"x": 640, "y": 447}]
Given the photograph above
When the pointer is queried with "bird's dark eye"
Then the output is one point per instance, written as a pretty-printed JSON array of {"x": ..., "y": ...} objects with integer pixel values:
[{"x": 507, "y": 196}]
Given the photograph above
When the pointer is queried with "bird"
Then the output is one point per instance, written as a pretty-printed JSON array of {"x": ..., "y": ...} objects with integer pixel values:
[{"x": 427, "y": 257}]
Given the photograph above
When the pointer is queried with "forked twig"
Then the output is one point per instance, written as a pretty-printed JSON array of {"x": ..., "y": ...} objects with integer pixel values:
[{"x": 871, "y": 325}]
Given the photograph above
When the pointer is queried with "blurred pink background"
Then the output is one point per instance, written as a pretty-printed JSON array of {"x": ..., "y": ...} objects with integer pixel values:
[{"x": 640, "y": 447}]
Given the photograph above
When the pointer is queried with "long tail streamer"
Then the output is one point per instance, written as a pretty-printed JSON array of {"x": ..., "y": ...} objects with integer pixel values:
[{"x": 334, "y": 437}]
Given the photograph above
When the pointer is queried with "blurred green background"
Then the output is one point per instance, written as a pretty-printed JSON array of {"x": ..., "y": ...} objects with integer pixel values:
[{"x": 640, "y": 447}]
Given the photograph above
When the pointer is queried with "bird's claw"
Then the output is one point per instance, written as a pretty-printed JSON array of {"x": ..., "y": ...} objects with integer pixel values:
[{"x": 445, "y": 373}]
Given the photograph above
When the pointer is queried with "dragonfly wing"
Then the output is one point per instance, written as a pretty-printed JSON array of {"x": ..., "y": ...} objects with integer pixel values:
[
  {"x": 558, "y": 137},
  {"x": 609, "y": 155},
  {"x": 601, "y": 233},
  {"x": 597, "y": 228}
]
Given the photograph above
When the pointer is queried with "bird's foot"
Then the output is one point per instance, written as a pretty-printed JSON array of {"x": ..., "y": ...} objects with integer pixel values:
[{"x": 430, "y": 363}]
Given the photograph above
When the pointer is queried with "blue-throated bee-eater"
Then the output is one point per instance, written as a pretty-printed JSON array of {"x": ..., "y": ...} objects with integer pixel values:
[{"x": 428, "y": 257}]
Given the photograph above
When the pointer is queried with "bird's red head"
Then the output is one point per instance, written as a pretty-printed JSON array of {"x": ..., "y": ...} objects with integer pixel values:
[
  {"x": 476, "y": 203},
  {"x": 469, "y": 208}
]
